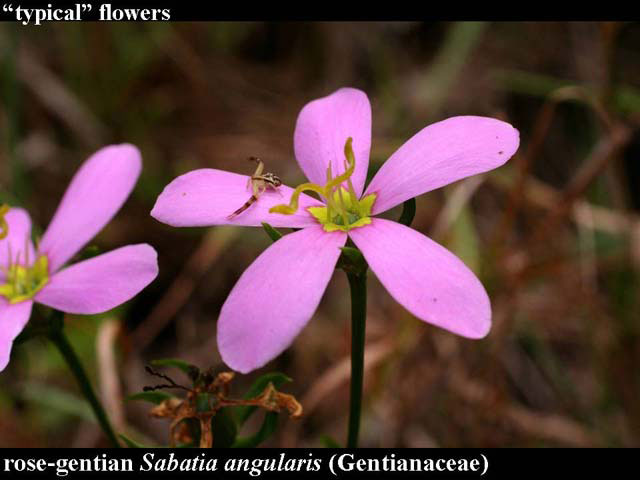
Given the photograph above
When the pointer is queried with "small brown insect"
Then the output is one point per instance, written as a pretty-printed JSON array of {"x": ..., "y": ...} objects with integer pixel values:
[{"x": 259, "y": 183}]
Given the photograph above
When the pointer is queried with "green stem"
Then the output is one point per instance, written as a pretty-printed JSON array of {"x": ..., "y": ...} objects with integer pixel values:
[
  {"x": 59, "y": 339},
  {"x": 358, "y": 285}
]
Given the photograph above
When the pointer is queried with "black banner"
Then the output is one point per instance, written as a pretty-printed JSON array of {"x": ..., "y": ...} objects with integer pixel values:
[
  {"x": 37, "y": 12},
  {"x": 313, "y": 463}
]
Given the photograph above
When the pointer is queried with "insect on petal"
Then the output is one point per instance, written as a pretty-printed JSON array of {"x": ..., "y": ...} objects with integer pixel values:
[{"x": 208, "y": 197}]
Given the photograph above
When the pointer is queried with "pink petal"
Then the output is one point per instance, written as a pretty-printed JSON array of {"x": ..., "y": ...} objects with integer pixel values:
[
  {"x": 276, "y": 296},
  {"x": 206, "y": 197},
  {"x": 440, "y": 154},
  {"x": 12, "y": 248},
  {"x": 93, "y": 197},
  {"x": 322, "y": 129},
  {"x": 13, "y": 319},
  {"x": 425, "y": 278},
  {"x": 103, "y": 282}
]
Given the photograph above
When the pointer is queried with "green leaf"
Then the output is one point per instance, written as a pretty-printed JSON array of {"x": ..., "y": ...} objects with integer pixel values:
[
  {"x": 175, "y": 362},
  {"x": 274, "y": 234},
  {"x": 408, "y": 212},
  {"x": 51, "y": 398},
  {"x": 132, "y": 443},
  {"x": 224, "y": 429},
  {"x": 153, "y": 397},
  {"x": 268, "y": 427},
  {"x": 242, "y": 413}
]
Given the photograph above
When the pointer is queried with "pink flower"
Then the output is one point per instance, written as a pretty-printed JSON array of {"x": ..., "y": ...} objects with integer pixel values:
[
  {"x": 277, "y": 295},
  {"x": 29, "y": 275}
]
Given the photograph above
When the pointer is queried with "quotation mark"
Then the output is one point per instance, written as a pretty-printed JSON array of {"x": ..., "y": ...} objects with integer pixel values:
[
  {"x": 38, "y": 15},
  {"x": 8, "y": 8}
]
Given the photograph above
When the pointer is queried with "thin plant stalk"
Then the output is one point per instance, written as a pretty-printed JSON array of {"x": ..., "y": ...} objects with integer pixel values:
[
  {"x": 59, "y": 339},
  {"x": 358, "y": 287}
]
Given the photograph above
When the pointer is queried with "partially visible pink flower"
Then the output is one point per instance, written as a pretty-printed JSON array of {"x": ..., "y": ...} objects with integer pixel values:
[
  {"x": 277, "y": 295},
  {"x": 29, "y": 275}
]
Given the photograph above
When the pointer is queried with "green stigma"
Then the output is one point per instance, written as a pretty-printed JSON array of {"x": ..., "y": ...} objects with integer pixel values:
[
  {"x": 343, "y": 210},
  {"x": 4, "y": 226},
  {"x": 22, "y": 283}
]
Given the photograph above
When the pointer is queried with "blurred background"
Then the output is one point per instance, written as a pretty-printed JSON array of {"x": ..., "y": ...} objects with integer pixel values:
[{"x": 554, "y": 234}]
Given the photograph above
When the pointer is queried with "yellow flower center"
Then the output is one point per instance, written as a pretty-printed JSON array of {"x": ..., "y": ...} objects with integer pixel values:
[
  {"x": 343, "y": 210},
  {"x": 22, "y": 282}
]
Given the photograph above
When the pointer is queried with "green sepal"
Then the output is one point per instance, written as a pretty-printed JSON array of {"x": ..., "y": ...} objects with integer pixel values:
[
  {"x": 408, "y": 212},
  {"x": 353, "y": 255},
  {"x": 352, "y": 261},
  {"x": 274, "y": 234},
  {"x": 89, "y": 252}
]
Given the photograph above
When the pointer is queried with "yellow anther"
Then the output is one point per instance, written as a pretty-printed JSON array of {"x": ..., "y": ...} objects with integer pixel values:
[
  {"x": 343, "y": 210},
  {"x": 327, "y": 190},
  {"x": 4, "y": 226},
  {"x": 24, "y": 281},
  {"x": 293, "y": 203},
  {"x": 351, "y": 162}
]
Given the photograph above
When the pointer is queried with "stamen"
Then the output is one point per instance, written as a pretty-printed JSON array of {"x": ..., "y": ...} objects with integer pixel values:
[
  {"x": 328, "y": 199},
  {"x": 293, "y": 203},
  {"x": 343, "y": 210},
  {"x": 351, "y": 161},
  {"x": 343, "y": 213},
  {"x": 326, "y": 191},
  {"x": 23, "y": 279},
  {"x": 4, "y": 226},
  {"x": 26, "y": 261}
]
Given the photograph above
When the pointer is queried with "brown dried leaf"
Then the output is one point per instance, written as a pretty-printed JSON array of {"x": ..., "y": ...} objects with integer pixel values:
[{"x": 167, "y": 409}]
